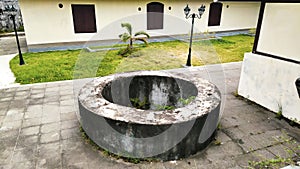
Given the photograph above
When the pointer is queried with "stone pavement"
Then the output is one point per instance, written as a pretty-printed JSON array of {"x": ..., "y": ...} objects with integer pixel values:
[
  {"x": 9, "y": 45},
  {"x": 39, "y": 129},
  {"x": 9, "y": 50}
]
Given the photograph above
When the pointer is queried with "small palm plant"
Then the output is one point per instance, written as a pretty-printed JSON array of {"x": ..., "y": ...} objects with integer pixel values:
[{"x": 128, "y": 36}]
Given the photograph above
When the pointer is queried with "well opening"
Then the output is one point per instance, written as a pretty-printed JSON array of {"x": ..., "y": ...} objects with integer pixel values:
[{"x": 150, "y": 92}]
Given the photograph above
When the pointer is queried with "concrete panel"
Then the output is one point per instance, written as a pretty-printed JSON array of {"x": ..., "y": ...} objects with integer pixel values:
[{"x": 271, "y": 83}]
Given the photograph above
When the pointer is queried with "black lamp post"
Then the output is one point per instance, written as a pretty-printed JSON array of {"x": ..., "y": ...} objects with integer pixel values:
[
  {"x": 12, "y": 12},
  {"x": 193, "y": 16},
  {"x": 298, "y": 86}
]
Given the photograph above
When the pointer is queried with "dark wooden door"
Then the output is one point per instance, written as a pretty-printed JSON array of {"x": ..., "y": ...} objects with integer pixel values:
[
  {"x": 84, "y": 18},
  {"x": 155, "y": 15},
  {"x": 215, "y": 12}
]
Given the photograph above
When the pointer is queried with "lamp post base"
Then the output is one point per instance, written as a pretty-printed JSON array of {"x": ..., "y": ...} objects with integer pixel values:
[{"x": 185, "y": 66}]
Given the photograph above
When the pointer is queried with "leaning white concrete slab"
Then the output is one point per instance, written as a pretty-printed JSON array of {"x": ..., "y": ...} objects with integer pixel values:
[
  {"x": 271, "y": 83},
  {"x": 7, "y": 77},
  {"x": 271, "y": 73}
]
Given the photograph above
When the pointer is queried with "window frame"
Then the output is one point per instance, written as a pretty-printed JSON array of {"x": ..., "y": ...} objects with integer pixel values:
[
  {"x": 80, "y": 19},
  {"x": 215, "y": 14}
]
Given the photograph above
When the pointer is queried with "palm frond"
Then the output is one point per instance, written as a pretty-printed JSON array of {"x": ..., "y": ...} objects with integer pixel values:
[
  {"x": 124, "y": 37},
  {"x": 142, "y": 33},
  {"x": 142, "y": 39},
  {"x": 128, "y": 27}
]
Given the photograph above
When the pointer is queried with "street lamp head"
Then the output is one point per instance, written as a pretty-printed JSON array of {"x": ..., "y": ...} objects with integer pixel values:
[
  {"x": 10, "y": 10},
  {"x": 187, "y": 10},
  {"x": 201, "y": 10}
]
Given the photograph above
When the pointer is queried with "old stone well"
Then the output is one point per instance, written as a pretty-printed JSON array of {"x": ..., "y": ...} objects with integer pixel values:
[{"x": 150, "y": 114}]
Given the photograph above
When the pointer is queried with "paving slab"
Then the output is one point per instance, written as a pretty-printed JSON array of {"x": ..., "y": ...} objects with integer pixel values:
[{"x": 39, "y": 128}]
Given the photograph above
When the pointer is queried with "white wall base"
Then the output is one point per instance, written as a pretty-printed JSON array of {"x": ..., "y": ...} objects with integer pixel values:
[{"x": 271, "y": 83}]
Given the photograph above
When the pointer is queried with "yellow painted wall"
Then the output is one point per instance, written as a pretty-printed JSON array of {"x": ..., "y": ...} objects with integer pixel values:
[{"x": 45, "y": 22}]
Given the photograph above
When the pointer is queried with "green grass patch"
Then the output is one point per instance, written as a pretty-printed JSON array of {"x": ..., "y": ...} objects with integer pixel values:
[
  {"x": 64, "y": 65},
  {"x": 70, "y": 64},
  {"x": 44, "y": 67},
  {"x": 232, "y": 48},
  {"x": 271, "y": 163}
]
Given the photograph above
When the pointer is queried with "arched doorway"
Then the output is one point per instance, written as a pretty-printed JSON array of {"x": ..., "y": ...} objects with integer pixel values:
[{"x": 155, "y": 15}]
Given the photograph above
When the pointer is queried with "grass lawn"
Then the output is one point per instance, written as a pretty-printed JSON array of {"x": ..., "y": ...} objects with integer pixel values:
[{"x": 66, "y": 65}]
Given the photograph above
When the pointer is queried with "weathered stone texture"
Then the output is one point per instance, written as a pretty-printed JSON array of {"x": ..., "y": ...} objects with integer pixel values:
[{"x": 6, "y": 23}]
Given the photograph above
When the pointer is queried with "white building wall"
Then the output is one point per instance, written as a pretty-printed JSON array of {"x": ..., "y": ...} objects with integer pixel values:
[
  {"x": 280, "y": 30},
  {"x": 45, "y": 22},
  {"x": 238, "y": 15}
]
